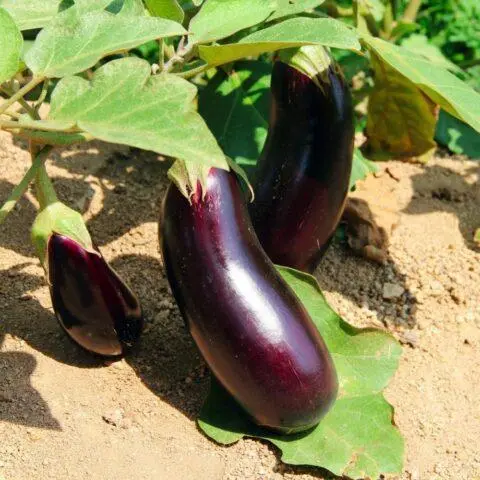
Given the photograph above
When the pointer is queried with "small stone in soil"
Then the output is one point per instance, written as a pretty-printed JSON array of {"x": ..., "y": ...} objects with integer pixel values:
[{"x": 392, "y": 290}]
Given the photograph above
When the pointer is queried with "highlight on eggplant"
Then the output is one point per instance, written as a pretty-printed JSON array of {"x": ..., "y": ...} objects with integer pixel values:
[
  {"x": 91, "y": 302},
  {"x": 250, "y": 327},
  {"x": 302, "y": 176}
]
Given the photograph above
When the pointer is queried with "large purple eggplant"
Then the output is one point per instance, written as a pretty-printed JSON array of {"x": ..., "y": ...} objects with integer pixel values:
[
  {"x": 91, "y": 302},
  {"x": 250, "y": 327},
  {"x": 302, "y": 176}
]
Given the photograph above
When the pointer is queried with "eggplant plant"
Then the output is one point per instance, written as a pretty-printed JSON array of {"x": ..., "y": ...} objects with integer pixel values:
[{"x": 129, "y": 72}]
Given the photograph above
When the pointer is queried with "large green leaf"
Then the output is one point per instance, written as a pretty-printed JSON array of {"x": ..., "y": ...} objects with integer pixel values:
[
  {"x": 235, "y": 107},
  {"x": 401, "y": 119},
  {"x": 289, "y": 33},
  {"x": 420, "y": 45},
  {"x": 125, "y": 104},
  {"x": 166, "y": 9},
  {"x": 11, "y": 43},
  {"x": 74, "y": 42},
  {"x": 221, "y": 18},
  {"x": 292, "y": 7},
  {"x": 32, "y": 13},
  {"x": 453, "y": 95},
  {"x": 356, "y": 438}
]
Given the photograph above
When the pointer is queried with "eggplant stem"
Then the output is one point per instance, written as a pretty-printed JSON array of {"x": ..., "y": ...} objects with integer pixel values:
[{"x": 20, "y": 189}]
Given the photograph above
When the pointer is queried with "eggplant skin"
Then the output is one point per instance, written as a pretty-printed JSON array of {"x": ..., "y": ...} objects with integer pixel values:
[
  {"x": 250, "y": 327},
  {"x": 302, "y": 176},
  {"x": 92, "y": 303}
]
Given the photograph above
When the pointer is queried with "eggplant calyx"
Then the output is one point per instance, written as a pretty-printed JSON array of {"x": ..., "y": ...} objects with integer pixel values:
[
  {"x": 190, "y": 179},
  {"x": 58, "y": 218},
  {"x": 314, "y": 61}
]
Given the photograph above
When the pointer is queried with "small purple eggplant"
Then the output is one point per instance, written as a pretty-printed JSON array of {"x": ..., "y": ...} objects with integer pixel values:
[{"x": 92, "y": 303}]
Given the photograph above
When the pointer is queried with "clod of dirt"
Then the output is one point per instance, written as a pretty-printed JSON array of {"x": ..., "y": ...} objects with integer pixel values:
[
  {"x": 117, "y": 418},
  {"x": 364, "y": 236}
]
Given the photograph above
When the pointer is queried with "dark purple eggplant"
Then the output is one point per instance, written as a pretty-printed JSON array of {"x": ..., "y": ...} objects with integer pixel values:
[
  {"x": 250, "y": 327},
  {"x": 302, "y": 176},
  {"x": 91, "y": 302}
]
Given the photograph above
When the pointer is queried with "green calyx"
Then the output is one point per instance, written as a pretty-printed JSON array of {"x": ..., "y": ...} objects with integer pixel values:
[
  {"x": 58, "y": 218},
  {"x": 311, "y": 60}
]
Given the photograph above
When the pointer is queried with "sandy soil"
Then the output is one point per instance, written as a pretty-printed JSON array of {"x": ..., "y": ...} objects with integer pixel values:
[{"x": 64, "y": 415}]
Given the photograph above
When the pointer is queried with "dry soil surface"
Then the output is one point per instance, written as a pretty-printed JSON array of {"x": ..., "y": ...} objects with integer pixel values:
[{"x": 67, "y": 416}]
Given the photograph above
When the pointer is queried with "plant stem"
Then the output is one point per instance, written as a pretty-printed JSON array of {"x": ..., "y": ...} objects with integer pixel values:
[
  {"x": 53, "y": 138},
  {"x": 193, "y": 71},
  {"x": 388, "y": 20},
  {"x": 411, "y": 11},
  {"x": 161, "y": 54},
  {"x": 20, "y": 189},
  {"x": 21, "y": 93},
  {"x": 21, "y": 101},
  {"x": 41, "y": 98},
  {"x": 44, "y": 187}
]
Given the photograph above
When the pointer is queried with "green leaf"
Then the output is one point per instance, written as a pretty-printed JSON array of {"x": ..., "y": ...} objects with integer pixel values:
[
  {"x": 476, "y": 237},
  {"x": 166, "y": 9},
  {"x": 11, "y": 43},
  {"x": 361, "y": 168},
  {"x": 292, "y": 7},
  {"x": 235, "y": 108},
  {"x": 221, "y": 18},
  {"x": 403, "y": 28},
  {"x": 73, "y": 42},
  {"x": 401, "y": 119},
  {"x": 32, "y": 13},
  {"x": 289, "y": 33},
  {"x": 457, "y": 136},
  {"x": 356, "y": 438},
  {"x": 125, "y": 104},
  {"x": 132, "y": 7},
  {"x": 420, "y": 45},
  {"x": 443, "y": 88},
  {"x": 86, "y": 6}
]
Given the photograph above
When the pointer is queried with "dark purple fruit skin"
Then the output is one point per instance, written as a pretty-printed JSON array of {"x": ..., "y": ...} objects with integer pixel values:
[
  {"x": 302, "y": 176},
  {"x": 91, "y": 302},
  {"x": 250, "y": 327}
]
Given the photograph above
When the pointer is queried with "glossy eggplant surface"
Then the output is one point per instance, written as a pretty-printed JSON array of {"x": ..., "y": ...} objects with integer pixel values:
[
  {"x": 302, "y": 177},
  {"x": 91, "y": 302},
  {"x": 250, "y": 327}
]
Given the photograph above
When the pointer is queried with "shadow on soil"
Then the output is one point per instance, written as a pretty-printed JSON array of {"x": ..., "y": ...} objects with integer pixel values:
[{"x": 453, "y": 193}]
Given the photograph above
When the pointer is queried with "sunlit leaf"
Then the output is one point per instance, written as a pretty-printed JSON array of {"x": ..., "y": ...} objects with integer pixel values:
[
  {"x": 356, "y": 438},
  {"x": 289, "y": 33},
  {"x": 221, "y": 18},
  {"x": 73, "y": 42},
  {"x": 166, "y": 9},
  {"x": 11, "y": 43},
  {"x": 32, "y": 13},
  {"x": 292, "y": 7},
  {"x": 443, "y": 88},
  {"x": 125, "y": 104}
]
